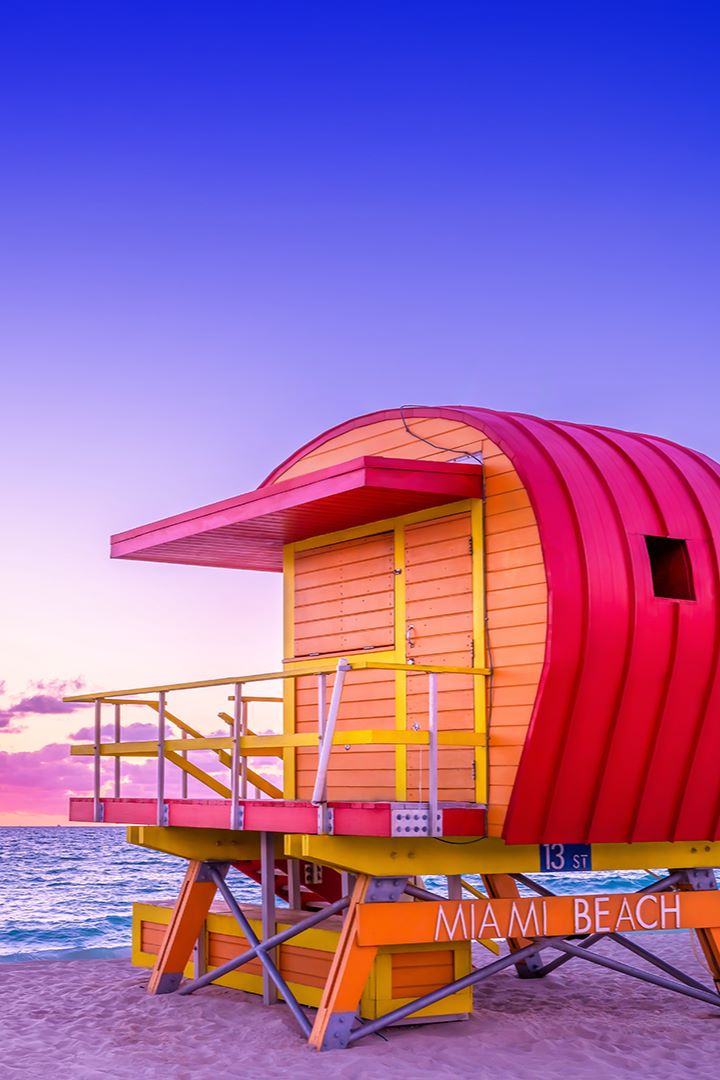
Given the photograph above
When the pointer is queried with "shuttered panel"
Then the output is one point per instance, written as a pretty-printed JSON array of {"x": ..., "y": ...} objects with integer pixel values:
[
  {"x": 344, "y": 597},
  {"x": 344, "y": 604},
  {"x": 439, "y": 609}
]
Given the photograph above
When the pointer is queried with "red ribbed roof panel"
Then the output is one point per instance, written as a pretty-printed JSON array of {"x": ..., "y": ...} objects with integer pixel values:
[{"x": 625, "y": 735}]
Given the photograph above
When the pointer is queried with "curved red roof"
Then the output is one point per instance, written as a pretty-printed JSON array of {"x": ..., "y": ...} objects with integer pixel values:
[{"x": 624, "y": 742}]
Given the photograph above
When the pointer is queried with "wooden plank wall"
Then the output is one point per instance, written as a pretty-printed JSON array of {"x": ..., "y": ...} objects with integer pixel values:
[
  {"x": 516, "y": 582},
  {"x": 344, "y": 597}
]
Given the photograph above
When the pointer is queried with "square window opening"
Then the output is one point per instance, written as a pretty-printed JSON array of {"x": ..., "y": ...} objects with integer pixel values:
[{"x": 670, "y": 567}]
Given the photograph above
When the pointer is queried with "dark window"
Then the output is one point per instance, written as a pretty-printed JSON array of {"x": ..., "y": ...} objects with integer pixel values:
[{"x": 670, "y": 567}]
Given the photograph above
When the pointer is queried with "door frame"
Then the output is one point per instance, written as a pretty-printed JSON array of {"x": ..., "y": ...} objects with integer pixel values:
[{"x": 396, "y": 655}]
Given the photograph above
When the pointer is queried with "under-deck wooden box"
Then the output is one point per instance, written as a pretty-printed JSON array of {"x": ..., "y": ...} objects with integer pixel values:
[{"x": 400, "y": 973}]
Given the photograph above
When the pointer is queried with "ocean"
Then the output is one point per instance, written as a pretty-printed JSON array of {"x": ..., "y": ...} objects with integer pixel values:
[{"x": 67, "y": 893}]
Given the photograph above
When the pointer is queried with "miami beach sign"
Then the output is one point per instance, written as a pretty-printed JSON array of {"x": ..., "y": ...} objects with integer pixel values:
[{"x": 535, "y": 917}]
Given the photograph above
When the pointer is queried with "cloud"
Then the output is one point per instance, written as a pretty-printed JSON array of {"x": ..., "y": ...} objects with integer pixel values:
[
  {"x": 47, "y": 702},
  {"x": 135, "y": 732}
]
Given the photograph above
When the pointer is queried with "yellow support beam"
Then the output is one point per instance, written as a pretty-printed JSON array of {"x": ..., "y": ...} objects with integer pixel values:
[
  {"x": 219, "y": 845},
  {"x": 395, "y": 856},
  {"x": 264, "y": 745}
]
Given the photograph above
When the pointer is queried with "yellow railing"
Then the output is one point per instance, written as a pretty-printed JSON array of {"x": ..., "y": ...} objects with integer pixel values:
[{"x": 234, "y": 750}]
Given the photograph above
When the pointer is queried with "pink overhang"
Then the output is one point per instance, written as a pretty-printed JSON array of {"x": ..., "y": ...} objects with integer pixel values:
[{"x": 248, "y": 532}]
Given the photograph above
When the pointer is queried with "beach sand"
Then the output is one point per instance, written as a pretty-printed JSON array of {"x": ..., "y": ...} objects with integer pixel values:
[{"x": 64, "y": 1020}]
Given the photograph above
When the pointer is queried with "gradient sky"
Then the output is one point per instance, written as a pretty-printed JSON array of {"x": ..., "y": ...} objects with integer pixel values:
[{"x": 227, "y": 227}]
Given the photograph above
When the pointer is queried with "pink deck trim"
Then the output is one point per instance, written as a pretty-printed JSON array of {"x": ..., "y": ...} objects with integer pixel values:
[{"x": 267, "y": 815}]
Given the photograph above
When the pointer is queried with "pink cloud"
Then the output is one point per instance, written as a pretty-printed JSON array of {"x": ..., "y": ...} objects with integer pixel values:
[
  {"x": 136, "y": 732},
  {"x": 47, "y": 702}
]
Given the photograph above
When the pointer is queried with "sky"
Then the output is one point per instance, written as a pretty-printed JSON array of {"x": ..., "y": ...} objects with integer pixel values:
[{"x": 227, "y": 227}]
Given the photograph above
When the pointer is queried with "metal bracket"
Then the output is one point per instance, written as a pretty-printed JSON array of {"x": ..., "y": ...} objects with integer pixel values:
[
  {"x": 385, "y": 890},
  {"x": 701, "y": 879},
  {"x": 326, "y": 820},
  {"x": 338, "y": 1031},
  {"x": 99, "y": 815},
  {"x": 164, "y": 815},
  {"x": 205, "y": 873},
  {"x": 413, "y": 819}
]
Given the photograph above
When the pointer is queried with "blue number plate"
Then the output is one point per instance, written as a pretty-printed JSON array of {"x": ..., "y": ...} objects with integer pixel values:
[{"x": 559, "y": 858}]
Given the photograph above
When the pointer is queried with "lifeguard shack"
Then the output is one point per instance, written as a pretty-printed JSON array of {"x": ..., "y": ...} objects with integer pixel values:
[{"x": 501, "y": 656}]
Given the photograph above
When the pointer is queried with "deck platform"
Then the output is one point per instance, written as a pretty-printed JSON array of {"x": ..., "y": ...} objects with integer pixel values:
[{"x": 288, "y": 816}]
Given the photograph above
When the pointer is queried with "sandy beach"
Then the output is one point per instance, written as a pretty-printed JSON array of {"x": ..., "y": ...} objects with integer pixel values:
[{"x": 81, "y": 1019}]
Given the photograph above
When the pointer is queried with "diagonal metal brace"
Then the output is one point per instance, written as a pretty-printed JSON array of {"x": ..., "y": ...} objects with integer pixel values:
[
  {"x": 265, "y": 946},
  {"x": 261, "y": 953}
]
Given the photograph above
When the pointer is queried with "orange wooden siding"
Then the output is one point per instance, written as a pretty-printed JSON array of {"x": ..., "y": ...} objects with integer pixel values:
[
  {"x": 515, "y": 578},
  {"x": 344, "y": 597},
  {"x": 368, "y": 701},
  {"x": 417, "y": 973}
]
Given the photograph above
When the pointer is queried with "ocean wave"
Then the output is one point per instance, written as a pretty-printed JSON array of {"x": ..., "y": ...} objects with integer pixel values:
[{"x": 105, "y": 952}]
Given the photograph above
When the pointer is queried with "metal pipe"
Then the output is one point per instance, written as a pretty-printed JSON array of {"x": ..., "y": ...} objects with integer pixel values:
[
  {"x": 635, "y": 973},
  {"x": 272, "y": 943},
  {"x": 319, "y": 794},
  {"x": 243, "y": 758},
  {"x": 235, "y": 758},
  {"x": 161, "y": 760},
  {"x": 267, "y": 962},
  {"x": 454, "y": 887},
  {"x": 116, "y": 763},
  {"x": 476, "y": 976},
  {"x": 267, "y": 887},
  {"x": 322, "y": 706},
  {"x": 293, "y": 887},
  {"x": 422, "y": 894},
  {"x": 432, "y": 752},
  {"x": 183, "y": 774},
  {"x": 656, "y": 886},
  {"x": 657, "y": 961},
  {"x": 97, "y": 815}
]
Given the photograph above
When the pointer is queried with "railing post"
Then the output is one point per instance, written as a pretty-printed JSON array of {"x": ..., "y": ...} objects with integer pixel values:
[
  {"x": 243, "y": 757},
  {"x": 117, "y": 733},
  {"x": 432, "y": 751},
  {"x": 161, "y": 820},
  {"x": 267, "y": 886},
  {"x": 235, "y": 757},
  {"x": 322, "y": 706},
  {"x": 184, "y": 775},
  {"x": 97, "y": 806},
  {"x": 319, "y": 795}
]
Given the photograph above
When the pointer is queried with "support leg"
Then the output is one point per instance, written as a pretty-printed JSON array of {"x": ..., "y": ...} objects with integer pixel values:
[
  {"x": 708, "y": 939},
  {"x": 294, "y": 890},
  {"x": 186, "y": 923},
  {"x": 350, "y": 967},
  {"x": 454, "y": 887},
  {"x": 267, "y": 883},
  {"x": 503, "y": 886}
]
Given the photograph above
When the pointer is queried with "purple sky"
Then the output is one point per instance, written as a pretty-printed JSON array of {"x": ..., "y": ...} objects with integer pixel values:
[{"x": 226, "y": 228}]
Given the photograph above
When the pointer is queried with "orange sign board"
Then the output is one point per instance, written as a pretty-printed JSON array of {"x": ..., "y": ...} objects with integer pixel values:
[{"x": 531, "y": 917}]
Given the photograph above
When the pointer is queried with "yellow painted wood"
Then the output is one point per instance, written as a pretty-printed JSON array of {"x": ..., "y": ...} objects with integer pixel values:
[
  {"x": 377, "y": 996},
  {"x": 294, "y": 669},
  {"x": 262, "y": 745},
  {"x": 219, "y": 845},
  {"x": 393, "y": 856},
  {"x": 480, "y": 697}
]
